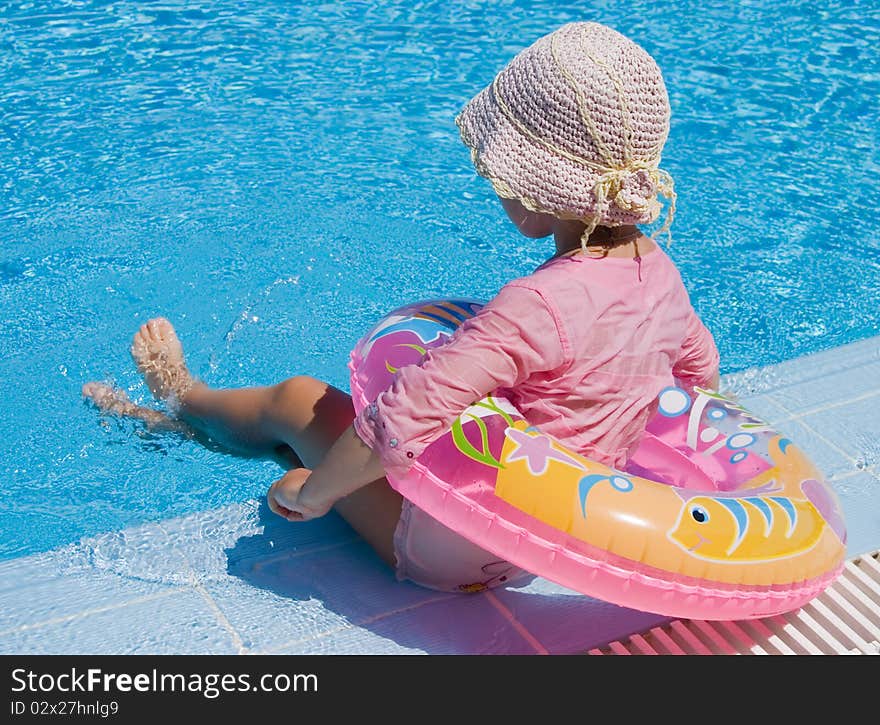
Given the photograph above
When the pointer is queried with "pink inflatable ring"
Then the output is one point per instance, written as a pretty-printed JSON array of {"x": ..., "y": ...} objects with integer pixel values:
[{"x": 716, "y": 516}]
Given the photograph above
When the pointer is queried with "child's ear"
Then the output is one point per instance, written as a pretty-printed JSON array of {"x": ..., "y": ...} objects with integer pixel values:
[{"x": 530, "y": 223}]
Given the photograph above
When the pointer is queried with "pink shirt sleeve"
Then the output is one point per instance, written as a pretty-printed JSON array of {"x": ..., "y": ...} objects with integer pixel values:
[
  {"x": 512, "y": 337},
  {"x": 698, "y": 361}
]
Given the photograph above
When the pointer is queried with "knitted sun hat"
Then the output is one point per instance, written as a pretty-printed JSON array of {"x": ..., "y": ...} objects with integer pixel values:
[{"x": 573, "y": 126}]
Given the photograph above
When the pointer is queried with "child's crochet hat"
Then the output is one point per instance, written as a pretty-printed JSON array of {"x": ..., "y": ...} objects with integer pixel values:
[{"x": 573, "y": 126}]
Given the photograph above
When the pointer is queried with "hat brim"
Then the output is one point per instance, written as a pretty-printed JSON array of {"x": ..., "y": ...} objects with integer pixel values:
[{"x": 520, "y": 167}]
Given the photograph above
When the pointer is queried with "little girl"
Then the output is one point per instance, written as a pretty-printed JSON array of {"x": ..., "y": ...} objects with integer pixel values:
[{"x": 569, "y": 133}]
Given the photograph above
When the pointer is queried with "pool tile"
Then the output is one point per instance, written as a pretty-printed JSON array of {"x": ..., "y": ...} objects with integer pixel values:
[
  {"x": 263, "y": 618},
  {"x": 859, "y": 495},
  {"x": 832, "y": 392},
  {"x": 29, "y": 570},
  {"x": 566, "y": 622},
  {"x": 348, "y": 640},
  {"x": 68, "y": 596},
  {"x": 841, "y": 364},
  {"x": 855, "y": 429},
  {"x": 763, "y": 406},
  {"x": 459, "y": 624},
  {"x": 814, "y": 380},
  {"x": 300, "y": 595},
  {"x": 824, "y": 452},
  {"x": 213, "y": 541},
  {"x": 181, "y": 623},
  {"x": 753, "y": 382},
  {"x": 143, "y": 553},
  {"x": 92, "y": 575}
]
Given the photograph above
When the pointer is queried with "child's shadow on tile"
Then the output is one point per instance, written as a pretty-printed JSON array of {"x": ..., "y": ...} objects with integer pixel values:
[{"x": 329, "y": 592}]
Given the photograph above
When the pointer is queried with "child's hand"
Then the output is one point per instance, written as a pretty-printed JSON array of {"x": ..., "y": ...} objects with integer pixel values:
[{"x": 285, "y": 497}]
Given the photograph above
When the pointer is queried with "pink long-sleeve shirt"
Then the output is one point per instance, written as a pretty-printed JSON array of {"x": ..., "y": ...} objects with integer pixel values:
[{"x": 581, "y": 347}]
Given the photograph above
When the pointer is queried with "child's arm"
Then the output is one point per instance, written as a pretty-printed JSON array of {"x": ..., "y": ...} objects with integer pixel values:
[
  {"x": 512, "y": 337},
  {"x": 698, "y": 363},
  {"x": 301, "y": 494}
]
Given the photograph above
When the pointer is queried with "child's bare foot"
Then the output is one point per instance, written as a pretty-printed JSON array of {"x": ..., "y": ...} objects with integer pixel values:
[
  {"x": 158, "y": 354},
  {"x": 115, "y": 400},
  {"x": 108, "y": 399}
]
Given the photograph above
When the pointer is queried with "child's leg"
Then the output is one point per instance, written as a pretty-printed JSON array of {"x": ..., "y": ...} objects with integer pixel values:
[
  {"x": 116, "y": 400},
  {"x": 301, "y": 413},
  {"x": 307, "y": 415}
]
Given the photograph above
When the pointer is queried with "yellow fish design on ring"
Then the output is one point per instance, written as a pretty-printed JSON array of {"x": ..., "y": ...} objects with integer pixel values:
[{"x": 742, "y": 528}]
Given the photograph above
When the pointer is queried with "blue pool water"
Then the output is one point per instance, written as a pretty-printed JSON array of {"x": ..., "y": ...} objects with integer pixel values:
[{"x": 275, "y": 179}]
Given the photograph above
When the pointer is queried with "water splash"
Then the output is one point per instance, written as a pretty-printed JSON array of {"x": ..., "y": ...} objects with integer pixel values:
[{"x": 246, "y": 317}]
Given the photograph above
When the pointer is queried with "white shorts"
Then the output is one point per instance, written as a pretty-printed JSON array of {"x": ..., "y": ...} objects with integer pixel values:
[{"x": 434, "y": 556}]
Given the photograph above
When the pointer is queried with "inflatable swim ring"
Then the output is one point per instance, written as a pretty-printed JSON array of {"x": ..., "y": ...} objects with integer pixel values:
[{"x": 716, "y": 516}]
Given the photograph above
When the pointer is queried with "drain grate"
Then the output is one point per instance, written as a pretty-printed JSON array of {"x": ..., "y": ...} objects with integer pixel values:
[{"x": 844, "y": 619}]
